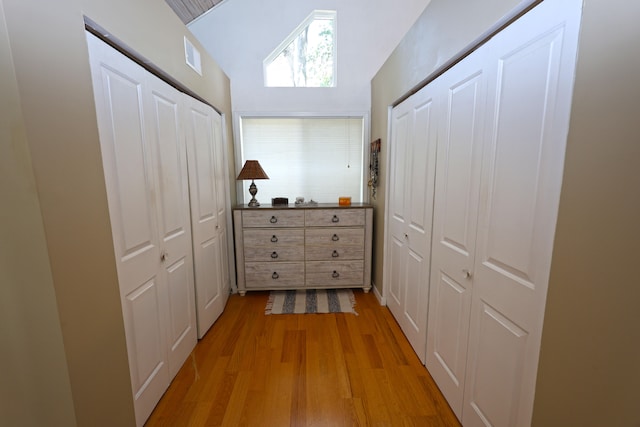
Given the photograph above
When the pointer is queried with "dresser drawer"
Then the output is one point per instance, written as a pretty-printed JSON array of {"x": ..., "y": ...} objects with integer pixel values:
[
  {"x": 273, "y": 218},
  {"x": 334, "y": 274},
  {"x": 326, "y": 253},
  {"x": 334, "y": 217},
  {"x": 283, "y": 253},
  {"x": 274, "y": 238},
  {"x": 274, "y": 275},
  {"x": 335, "y": 237}
]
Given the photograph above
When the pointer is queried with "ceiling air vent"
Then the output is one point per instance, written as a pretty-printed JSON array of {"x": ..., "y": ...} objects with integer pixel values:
[{"x": 192, "y": 56}]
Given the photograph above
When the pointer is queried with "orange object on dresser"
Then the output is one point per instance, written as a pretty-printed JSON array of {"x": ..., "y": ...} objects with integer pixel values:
[{"x": 344, "y": 201}]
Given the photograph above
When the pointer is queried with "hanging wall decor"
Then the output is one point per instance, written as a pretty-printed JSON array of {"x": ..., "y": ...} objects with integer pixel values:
[{"x": 374, "y": 167}]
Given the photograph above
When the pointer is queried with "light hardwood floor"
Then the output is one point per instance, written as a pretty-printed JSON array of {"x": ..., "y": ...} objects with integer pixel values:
[{"x": 303, "y": 370}]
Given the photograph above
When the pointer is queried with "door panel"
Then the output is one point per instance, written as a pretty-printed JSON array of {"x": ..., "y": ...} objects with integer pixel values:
[
  {"x": 521, "y": 181},
  {"x": 222, "y": 205},
  {"x": 207, "y": 224},
  {"x": 420, "y": 199},
  {"x": 412, "y": 171},
  {"x": 143, "y": 310},
  {"x": 127, "y": 152},
  {"x": 174, "y": 222},
  {"x": 454, "y": 223},
  {"x": 494, "y": 377},
  {"x": 181, "y": 309},
  {"x": 447, "y": 327},
  {"x": 397, "y": 205},
  {"x": 396, "y": 272}
]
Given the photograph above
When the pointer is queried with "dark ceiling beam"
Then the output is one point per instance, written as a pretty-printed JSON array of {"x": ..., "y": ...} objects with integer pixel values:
[{"x": 188, "y": 10}]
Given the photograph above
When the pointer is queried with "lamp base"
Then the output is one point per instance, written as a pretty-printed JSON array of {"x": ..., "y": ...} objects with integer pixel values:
[{"x": 253, "y": 190}]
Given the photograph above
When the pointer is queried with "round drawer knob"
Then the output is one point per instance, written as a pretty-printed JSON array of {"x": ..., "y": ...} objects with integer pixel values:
[
  {"x": 275, "y": 275},
  {"x": 274, "y": 255},
  {"x": 335, "y": 218},
  {"x": 335, "y": 254},
  {"x": 335, "y": 274},
  {"x": 273, "y": 219},
  {"x": 274, "y": 239},
  {"x": 335, "y": 238}
]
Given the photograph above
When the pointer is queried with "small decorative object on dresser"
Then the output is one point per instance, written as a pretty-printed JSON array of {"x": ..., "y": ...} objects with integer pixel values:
[{"x": 305, "y": 247}]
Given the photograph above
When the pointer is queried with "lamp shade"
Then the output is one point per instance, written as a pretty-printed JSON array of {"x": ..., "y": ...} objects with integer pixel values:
[{"x": 252, "y": 170}]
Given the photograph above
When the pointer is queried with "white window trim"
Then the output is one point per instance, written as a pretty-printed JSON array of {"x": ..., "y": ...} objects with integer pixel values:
[
  {"x": 316, "y": 14},
  {"x": 238, "y": 155}
]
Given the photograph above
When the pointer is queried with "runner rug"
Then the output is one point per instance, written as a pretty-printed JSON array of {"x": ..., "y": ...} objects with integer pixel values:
[{"x": 311, "y": 301}]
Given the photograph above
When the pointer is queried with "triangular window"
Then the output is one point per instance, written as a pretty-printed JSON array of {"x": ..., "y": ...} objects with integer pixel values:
[{"x": 307, "y": 58}]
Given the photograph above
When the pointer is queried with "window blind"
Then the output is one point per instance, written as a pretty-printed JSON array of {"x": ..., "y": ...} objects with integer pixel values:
[{"x": 315, "y": 158}]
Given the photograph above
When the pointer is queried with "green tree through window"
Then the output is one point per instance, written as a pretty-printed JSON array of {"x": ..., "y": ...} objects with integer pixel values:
[{"x": 307, "y": 57}]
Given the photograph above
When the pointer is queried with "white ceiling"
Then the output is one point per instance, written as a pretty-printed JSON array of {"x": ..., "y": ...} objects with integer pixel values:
[
  {"x": 240, "y": 34},
  {"x": 236, "y": 30}
]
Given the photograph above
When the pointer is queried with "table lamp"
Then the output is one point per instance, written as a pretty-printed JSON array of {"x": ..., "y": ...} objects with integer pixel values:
[{"x": 252, "y": 170}]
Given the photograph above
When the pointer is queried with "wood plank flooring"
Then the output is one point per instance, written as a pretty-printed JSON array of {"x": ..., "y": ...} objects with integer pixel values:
[{"x": 303, "y": 370}]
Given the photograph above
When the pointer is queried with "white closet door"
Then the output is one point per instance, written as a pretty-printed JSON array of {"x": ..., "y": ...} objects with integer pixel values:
[
  {"x": 461, "y": 103},
  {"x": 208, "y": 246},
  {"x": 521, "y": 180},
  {"x": 223, "y": 205},
  {"x": 412, "y": 173},
  {"x": 128, "y": 157},
  {"x": 174, "y": 221}
]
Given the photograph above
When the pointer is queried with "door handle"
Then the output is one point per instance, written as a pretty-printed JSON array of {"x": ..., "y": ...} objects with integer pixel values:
[
  {"x": 466, "y": 273},
  {"x": 163, "y": 256}
]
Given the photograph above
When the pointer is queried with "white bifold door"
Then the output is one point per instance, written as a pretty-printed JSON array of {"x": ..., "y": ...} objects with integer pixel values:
[
  {"x": 501, "y": 117},
  {"x": 409, "y": 215},
  {"x": 209, "y": 211},
  {"x": 143, "y": 137},
  {"x": 460, "y": 149}
]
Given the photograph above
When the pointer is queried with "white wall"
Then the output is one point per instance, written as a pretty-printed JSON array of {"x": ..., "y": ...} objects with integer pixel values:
[{"x": 240, "y": 34}]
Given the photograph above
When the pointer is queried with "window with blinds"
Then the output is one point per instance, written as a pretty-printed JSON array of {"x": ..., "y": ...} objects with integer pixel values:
[{"x": 319, "y": 158}]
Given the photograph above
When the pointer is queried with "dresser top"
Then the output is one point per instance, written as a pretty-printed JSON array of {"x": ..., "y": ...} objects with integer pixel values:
[{"x": 305, "y": 206}]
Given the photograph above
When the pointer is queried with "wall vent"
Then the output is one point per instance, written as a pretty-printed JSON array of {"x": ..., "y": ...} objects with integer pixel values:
[{"x": 192, "y": 56}]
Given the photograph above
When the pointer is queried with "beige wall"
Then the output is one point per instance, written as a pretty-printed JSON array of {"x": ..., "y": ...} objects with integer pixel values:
[
  {"x": 48, "y": 45},
  {"x": 35, "y": 388},
  {"x": 589, "y": 371},
  {"x": 443, "y": 30}
]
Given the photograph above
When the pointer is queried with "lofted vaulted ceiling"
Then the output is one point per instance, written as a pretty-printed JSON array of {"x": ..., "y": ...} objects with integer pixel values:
[{"x": 188, "y": 10}]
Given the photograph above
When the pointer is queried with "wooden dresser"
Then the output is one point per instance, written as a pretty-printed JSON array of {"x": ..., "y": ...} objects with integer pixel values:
[{"x": 290, "y": 247}]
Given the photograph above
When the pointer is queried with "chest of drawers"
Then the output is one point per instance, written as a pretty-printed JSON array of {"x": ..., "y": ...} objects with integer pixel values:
[{"x": 324, "y": 246}]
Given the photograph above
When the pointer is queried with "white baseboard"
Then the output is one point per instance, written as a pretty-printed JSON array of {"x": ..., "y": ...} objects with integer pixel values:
[{"x": 379, "y": 297}]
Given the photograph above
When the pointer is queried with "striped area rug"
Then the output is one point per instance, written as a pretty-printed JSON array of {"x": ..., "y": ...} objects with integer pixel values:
[{"x": 311, "y": 301}]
